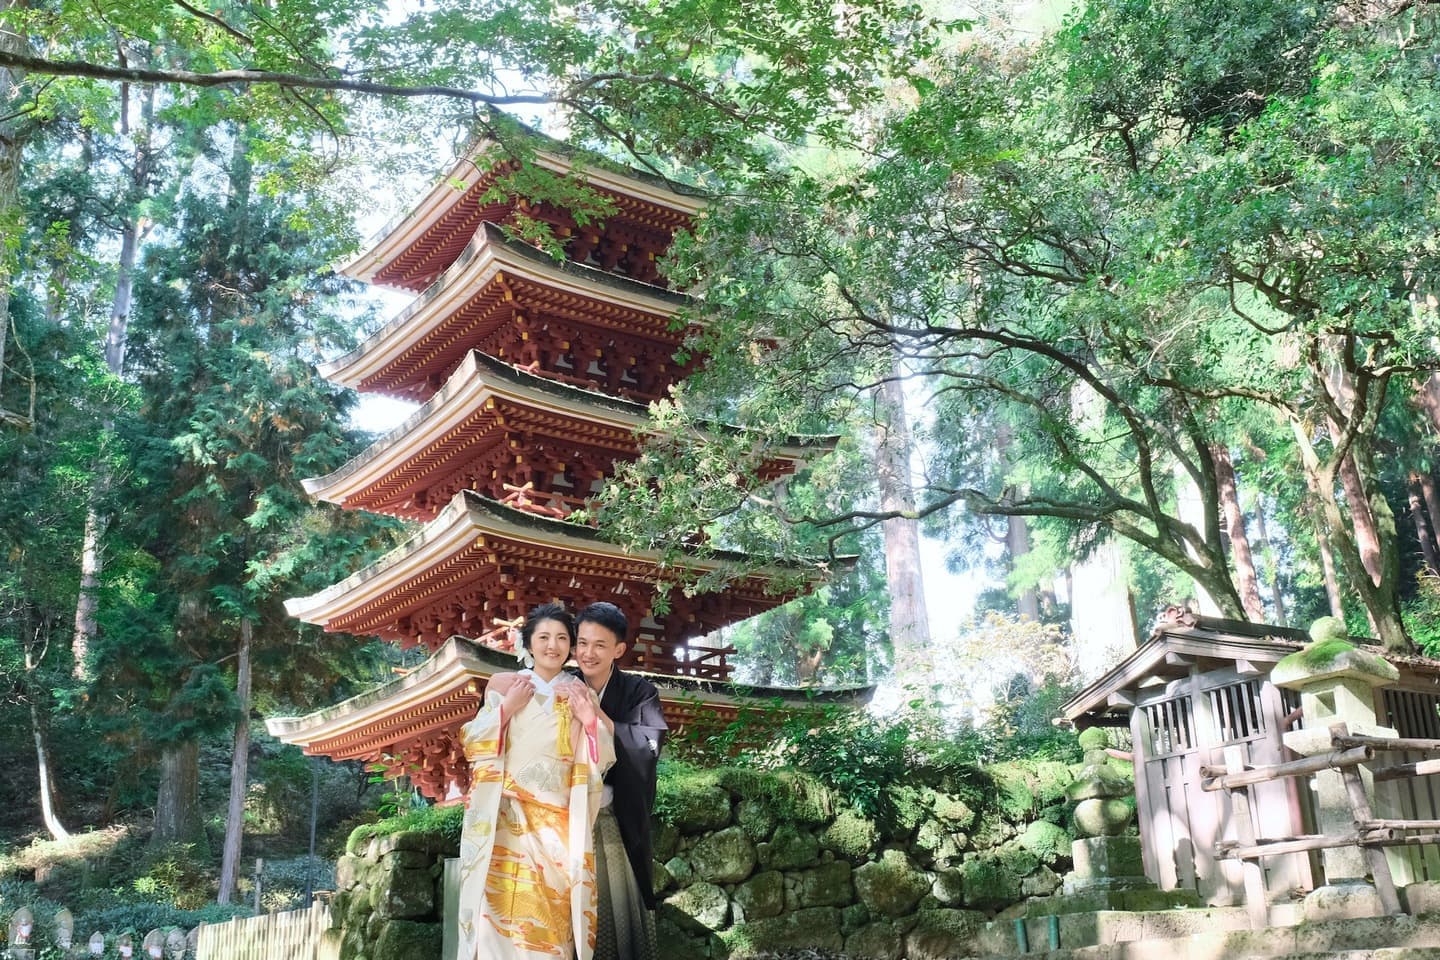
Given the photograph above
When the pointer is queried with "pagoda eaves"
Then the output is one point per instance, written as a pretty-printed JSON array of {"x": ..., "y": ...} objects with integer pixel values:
[
  {"x": 480, "y": 561},
  {"x": 469, "y": 436},
  {"x": 515, "y": 302},
  {"x": 411, "y": 251}
]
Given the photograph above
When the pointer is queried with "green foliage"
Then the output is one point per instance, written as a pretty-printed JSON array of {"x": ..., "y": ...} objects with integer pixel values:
[
  {"x": 445, "y": 822},
  {"x": 173, "y": 875},
  {"x": 1423, "y": 616}
]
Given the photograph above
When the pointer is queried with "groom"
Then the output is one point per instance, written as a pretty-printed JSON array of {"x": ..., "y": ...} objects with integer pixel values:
[{"x": 622, "y": 831}]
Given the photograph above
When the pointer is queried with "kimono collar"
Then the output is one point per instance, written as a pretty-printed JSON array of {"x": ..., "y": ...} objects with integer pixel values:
[{"x": 542, "y": 686}]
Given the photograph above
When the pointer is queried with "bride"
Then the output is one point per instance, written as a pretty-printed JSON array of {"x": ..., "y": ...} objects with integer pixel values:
[{"x": 538, "y": 754}]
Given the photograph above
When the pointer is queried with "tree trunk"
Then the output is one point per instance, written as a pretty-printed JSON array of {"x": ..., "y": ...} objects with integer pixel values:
[
  {"x": 239, "y": 773},
  {"x": 1367, "y": 540},
  {"x": 14, "y": 134},
  {"x": 47, "y": 781},
  {"x": 92, "y": 558},
  {"x": 1423, "y": 532},
  {"x": 1430, "y": 399},
  {"x": 1017, "y": 545},
  {"x": 1327, "y": 566},
  {"x": 1431, "y": 495},
  {"x": 1242, "y": 559},
  {"x": 177, "y": 803},
  {"x": 1272, "y": 564},
  {"x": 909, "y": 624}
]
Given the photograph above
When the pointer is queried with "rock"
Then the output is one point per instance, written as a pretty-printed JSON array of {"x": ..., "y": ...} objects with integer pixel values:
[
  {"x": 891, "y": 886},
  {"x": 664, "y": 839},
  {"x": 814, "y": 928},
  {"x": 1353, "y": 900},
  {"x": 990, "y": 830},
  {"x": 404, "y": 894},
  {"x": 881, "y": 940},
  {"x": 350, "y": 872},
  {"x": 407, "y": 860},
  {"x": 851, "y": 836},
  {"x": 903, "y": 808},
  {"x": 938, "y": 842},
  {"x": 756, "y": 819},
  {"x": 701, "y": 908},
  {"x": 726, "y": 856},
  {"x": 827, "y": 885},
  {"x": 660, "y": 879},
  {"x": 953, "y": 810},
  {"x": 407, "y": 940},
  {"x": 680, "y": 871},
  {"x": 853, "y": 917},
  {"x": 789, "y": 848},
  {"x": 1047, "y": 841},
  {"x": 989, "y": 882},
  {"x": 700, "y": 809},
  {"x": 1102, "y": 781},
  {"x": 679, "y": 945},
  {"x": 763, "y": 895},
  {"x": 949, "y": 887},
  {"x": 1041, "y": 883},
  {"x": 942, "y": 934}
]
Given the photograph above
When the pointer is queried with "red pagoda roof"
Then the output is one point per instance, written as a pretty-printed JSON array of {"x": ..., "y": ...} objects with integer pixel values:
[
  {"x": 479, "y": 561},
  {"x": 512, "y": 301},
  {"x": 494, "y": 426},
  {"x": 417, "y": 248},
  {"x": 411, "y": 724}
]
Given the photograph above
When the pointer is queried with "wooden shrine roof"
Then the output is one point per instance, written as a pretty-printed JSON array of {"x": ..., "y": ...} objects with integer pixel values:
[
  {"x": 419, "y": 715},
  {"x": 1182, "y": 641},
  {"x": 478, "y": 560},
  {"x": 498, "y": 292},
  {"x": 443, "y": 445},
  {"x": 411, "y": 251}
]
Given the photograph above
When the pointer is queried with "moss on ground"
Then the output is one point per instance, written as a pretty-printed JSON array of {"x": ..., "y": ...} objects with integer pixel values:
[{"x": 442, "y": 821}]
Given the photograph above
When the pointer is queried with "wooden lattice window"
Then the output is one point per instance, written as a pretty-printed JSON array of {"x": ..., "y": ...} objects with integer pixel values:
[
  {"x": 1413, "y": 714},
  {"x": 1237, "y": 713},
  {"x": 1171, "y": 727}
]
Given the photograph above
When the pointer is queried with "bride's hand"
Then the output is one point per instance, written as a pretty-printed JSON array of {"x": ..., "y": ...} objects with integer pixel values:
[{"x": 521, "y": 692}]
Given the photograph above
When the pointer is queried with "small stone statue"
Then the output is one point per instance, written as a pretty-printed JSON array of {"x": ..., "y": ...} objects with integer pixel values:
[
  {"x": 64, "y": 929},
  {"x": 1101, "y": 789},
  {"x": 175, "y": 944}
]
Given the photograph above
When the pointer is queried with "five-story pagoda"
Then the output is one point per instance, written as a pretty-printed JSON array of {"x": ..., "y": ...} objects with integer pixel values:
[{"x": 533, "y": 373}]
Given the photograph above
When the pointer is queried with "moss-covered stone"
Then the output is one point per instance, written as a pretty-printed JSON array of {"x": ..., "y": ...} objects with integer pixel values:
[
  {"x": 664, "y": 840},
  {"x": 660, "y": 878},
  {"x": 1040, "y": 883},
  {"x": 763, "y": 895},
  {"x": 679, "y": 868},
  {"x": 953, "y": 810},
  {"x": 789, "y": 794},
  {"x": 903, "y": 808},
  {"x": 990, "y": 881},
  {"x": 890, "y": 886},
  {"x": 943, "y": 933},
  {"x": 1107, "y": 817},
  {"x": 1047, "y": 841},
  {"x": 851, "y": 836},
  {"x": 949, "y": 887},
  {"x": 406, "y": 894},
  {"x": 1327, "y": 629},
  {"x": 407, "y": 940},
  {"x": 853, "y": 917},
  {"x": 990, "y": 830},
  {"x": 790, "y": 848},
  {"x": 1015, "y": 785},
  {"x": 700, "y": 908},
  {"x": 679, "y": 944},
  {"x": 881, "y": 940},
  {"x": 937, "y": 842},
  {"x": 815, "y": 928},
  {"x": 725, "y": 856},
  {"x": 827, "y": 885},
  {"x": 1094, "y": 738},
  {"x": 350, "y": 872},
  {"x": 756, "y": 818},
  {"x": 702, "y": 807}
]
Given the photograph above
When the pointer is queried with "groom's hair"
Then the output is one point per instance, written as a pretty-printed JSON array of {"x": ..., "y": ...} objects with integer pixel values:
[{"x": 607, "y": 615}]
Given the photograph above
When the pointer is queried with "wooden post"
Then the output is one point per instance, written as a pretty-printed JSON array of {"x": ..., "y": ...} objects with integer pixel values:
[
  {"x": 1374, "y": 856},
  {"x": 1251, "y": 871},
  {"x": 259, "y": 869}
]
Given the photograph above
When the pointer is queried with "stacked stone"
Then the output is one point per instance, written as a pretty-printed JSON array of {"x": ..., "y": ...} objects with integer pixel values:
[
  {"x": 389, "y": 896},
  {"x": 738, "y": 875}
]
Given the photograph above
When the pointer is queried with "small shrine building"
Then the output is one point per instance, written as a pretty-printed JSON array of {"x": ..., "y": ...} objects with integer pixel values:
[
  {"x": 1201, "y": 685},
  {"x": 533, "y": 374}
]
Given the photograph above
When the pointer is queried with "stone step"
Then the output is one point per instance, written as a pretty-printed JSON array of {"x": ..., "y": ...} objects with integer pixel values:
[
  {"x": 1357, "y": 939},
  {"x": 1101, "y": 927}
]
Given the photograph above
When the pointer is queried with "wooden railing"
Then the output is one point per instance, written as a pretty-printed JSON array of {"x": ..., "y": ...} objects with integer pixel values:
[
  {"x": 1369, "y": 833},
  {"x": 293, "y": 934}
]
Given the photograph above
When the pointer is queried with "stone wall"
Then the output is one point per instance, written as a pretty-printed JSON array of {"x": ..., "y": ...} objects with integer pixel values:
[
  {"x": 389, "y": 896},
  {"x": 750, "y": 863}
]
